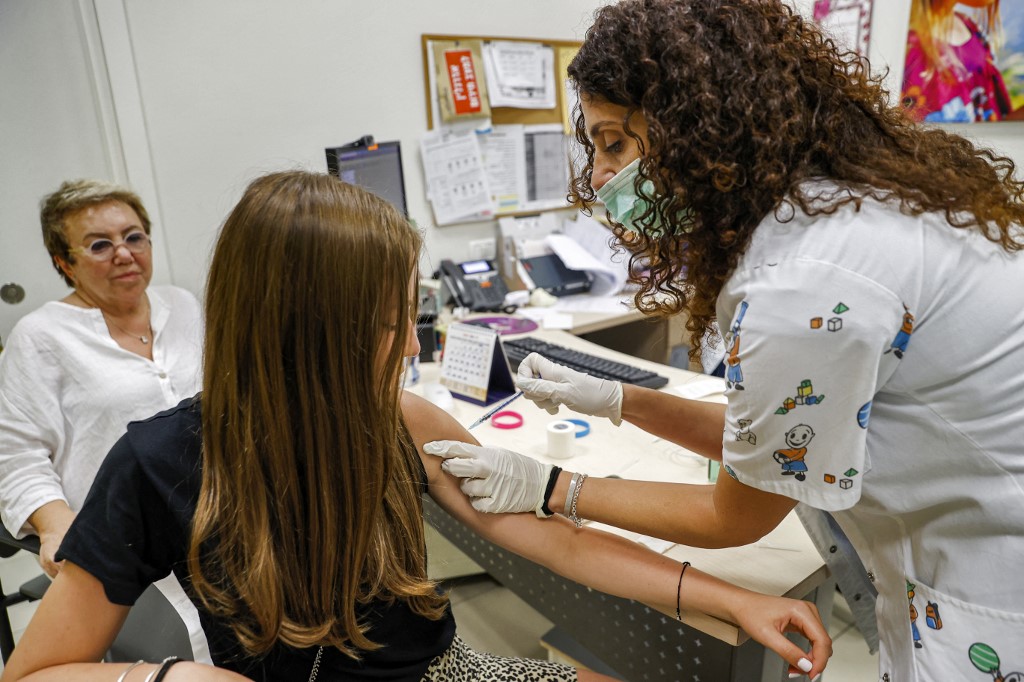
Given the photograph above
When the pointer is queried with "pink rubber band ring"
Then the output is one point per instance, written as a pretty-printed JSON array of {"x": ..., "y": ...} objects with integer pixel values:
[{"x": 515, "y": 417}]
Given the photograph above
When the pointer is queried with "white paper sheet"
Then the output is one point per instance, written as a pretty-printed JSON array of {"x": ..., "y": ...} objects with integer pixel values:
[
  {"x": 711, "y": 389},
  {"x": 585, "y": 303},
  {"x": 546, "y": 156},
  {"x": 519, "y": 74},
  {"x": 610, "y": 269},
  {"x": 456, "y": 183},
  {"x": 556, "y": 320},
  {"x": 504, "y": 158}
]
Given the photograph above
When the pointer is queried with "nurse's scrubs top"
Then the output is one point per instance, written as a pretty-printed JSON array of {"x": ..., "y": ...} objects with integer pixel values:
[{"x": 876, "y": 371}]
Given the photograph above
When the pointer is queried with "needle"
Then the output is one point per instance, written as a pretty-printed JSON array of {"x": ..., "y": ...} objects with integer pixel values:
[{"x": 493, "y": 411}]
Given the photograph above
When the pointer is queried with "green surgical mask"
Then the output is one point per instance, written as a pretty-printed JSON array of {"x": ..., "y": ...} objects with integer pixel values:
[{"x": 620, "y": 198}]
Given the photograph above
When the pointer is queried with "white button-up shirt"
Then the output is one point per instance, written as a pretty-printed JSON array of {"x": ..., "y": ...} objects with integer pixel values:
[
  {"x": 67, "y": 392},
  {"x": 876, "y": 370}
]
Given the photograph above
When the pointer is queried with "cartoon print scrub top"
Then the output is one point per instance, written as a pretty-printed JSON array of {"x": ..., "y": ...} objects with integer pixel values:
[{"x": 876, "y": 371}]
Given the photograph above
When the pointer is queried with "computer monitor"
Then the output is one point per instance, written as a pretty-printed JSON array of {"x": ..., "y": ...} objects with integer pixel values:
[{"x": 376, "y": 166}]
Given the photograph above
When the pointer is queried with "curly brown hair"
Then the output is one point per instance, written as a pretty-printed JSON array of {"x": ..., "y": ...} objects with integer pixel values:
[{"x": 744, "y": 101}]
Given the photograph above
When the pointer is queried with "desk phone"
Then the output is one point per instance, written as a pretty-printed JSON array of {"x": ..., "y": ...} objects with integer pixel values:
[{"x": 474, "y": 284}]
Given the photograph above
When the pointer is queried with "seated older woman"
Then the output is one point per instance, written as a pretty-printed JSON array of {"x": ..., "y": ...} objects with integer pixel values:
[{"x": 76, "y": 371}]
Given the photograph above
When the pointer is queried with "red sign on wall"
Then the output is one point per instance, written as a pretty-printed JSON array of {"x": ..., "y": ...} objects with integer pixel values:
[{"x": 462, "y": 78}]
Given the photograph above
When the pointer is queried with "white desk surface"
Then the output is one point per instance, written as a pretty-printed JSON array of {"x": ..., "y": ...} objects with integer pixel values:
[
  {"x": 785, "y": 562},
  {"x": 583, "y": 322},
  {"x": 586, "y": 322}
]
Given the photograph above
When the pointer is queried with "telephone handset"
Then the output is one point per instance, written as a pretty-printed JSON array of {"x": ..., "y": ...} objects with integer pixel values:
[{"x": 474, "y": 284}]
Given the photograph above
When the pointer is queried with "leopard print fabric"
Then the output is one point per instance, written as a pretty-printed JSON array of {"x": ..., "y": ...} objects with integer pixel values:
[{"x": 461, "y": 664}]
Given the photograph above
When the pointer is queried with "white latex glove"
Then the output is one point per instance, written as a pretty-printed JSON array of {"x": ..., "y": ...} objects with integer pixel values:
[
  {"x": 496, "y": 480},
  {"x": 549, "y": 385}
]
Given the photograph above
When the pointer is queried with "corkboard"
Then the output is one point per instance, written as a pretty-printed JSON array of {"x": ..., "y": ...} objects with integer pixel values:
[{"x": 503, "y": 115}]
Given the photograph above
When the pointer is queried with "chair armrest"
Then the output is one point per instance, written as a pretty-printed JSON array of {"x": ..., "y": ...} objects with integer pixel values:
[{"x": 29, "y": 543}]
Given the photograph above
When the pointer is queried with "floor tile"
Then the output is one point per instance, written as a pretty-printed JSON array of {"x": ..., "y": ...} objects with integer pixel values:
[
  {"x": 498, "y": 622},
  {"x": 850, "y": 660},
  {"x": 464, "y": 589}
]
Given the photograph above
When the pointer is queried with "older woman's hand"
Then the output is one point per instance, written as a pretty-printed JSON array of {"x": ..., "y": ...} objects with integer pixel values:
[{"x": 51, "y": 522}]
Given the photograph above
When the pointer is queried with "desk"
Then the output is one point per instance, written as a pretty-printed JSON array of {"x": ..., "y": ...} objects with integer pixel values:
[
  {"x": 628, "y": 331},
  {"x": 638, "y": 642}
]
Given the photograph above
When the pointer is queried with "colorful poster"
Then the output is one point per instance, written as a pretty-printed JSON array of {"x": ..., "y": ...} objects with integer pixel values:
[{"x": 965, "y": 61}]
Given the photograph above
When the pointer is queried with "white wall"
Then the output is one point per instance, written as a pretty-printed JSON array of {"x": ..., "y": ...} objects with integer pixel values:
[
  {"x": 205, "y": 95},
  {"x": 235, "y": 87}
]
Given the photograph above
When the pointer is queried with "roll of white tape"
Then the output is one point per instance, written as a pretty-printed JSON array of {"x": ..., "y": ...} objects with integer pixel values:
[{"x": 561, "y": 436}]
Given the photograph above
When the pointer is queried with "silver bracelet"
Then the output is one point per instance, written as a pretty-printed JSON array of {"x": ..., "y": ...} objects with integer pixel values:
[
  {"x": 133, "y": 666},
  {"x": 569, "y": 495},
  {"x": 575, "y": 496}
]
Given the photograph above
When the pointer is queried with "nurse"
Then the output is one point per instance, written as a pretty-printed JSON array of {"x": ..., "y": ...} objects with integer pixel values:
[{"x": 872, "y": 268}]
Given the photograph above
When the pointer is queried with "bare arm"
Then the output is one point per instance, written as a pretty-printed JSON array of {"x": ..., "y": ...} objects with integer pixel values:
[
  {"x": 76, "y": 614},
  {"x": 607, "y": 562},
  {"x": 726, "y": 514},
  {"x": 693, "y": 424}
]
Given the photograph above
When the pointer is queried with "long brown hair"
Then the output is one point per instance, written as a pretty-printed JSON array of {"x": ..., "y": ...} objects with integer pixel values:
[
  {"x": 310, "y": 502},
  {"x": 744, "y": 101}
]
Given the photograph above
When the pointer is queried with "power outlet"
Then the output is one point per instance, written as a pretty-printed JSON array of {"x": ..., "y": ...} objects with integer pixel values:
[{"x": 482, "y": 249}]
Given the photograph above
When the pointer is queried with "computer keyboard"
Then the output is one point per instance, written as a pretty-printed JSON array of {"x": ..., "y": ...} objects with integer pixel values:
[{"x": 517, "y": 349}]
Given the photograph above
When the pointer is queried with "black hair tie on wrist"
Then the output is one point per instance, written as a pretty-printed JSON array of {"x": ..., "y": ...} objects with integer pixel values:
[
  {"x": 552, "y": 479},
  {"x": 165, "y": 666},
  {"x": 679, "y": 589}
]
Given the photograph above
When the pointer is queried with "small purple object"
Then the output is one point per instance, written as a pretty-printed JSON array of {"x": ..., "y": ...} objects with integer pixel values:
[{"x": 504, "y": 324}]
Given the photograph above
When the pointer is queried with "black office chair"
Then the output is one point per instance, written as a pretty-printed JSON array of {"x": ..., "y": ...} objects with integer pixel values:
[
  {"x": 31, "y": 591},
  {"x": 152, "y": 631}
]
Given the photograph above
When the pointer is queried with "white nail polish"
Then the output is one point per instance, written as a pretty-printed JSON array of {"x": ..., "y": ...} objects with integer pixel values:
[
  {"x": 804, "y": 665},
  {"x": 795, "y": 675}
]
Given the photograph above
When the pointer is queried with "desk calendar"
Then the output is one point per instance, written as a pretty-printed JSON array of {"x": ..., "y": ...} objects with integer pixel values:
[{"x": 473, "y": 364}]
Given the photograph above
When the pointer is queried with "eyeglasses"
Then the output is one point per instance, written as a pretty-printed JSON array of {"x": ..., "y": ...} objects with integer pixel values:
[{"x": 103, "y": 250}]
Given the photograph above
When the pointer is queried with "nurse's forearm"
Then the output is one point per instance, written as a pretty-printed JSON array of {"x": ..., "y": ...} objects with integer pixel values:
[
  {"x": 693, "y": 424},
  {"x": 726, "y": 514},
  {"x": 672, "y": 511}
]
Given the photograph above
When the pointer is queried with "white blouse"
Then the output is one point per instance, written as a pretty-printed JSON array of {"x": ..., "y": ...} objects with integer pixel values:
[{"x": 67, "y": 392}]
